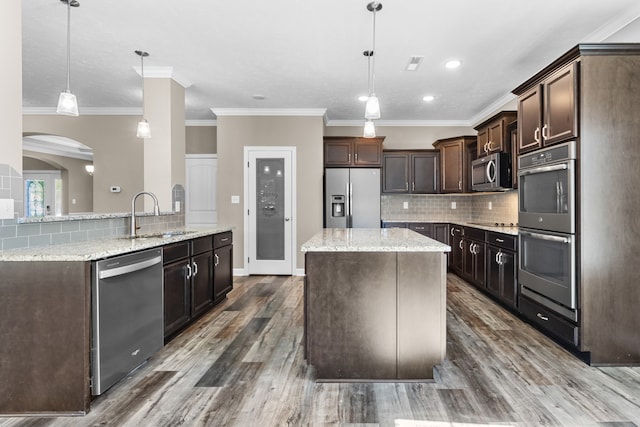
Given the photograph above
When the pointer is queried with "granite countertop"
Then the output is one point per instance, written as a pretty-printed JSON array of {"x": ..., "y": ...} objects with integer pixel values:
[
  {"x": 507, "y": 229},
  {"x": 104, "y": 248},
  {"x": 372, "y": 240}
]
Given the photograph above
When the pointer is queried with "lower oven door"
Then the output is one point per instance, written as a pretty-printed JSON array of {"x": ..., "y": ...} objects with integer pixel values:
[{"x": 547, "y": 265}]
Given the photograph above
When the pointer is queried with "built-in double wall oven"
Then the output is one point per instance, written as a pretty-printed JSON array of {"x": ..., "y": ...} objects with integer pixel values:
[{"x": 547, "y": 236}]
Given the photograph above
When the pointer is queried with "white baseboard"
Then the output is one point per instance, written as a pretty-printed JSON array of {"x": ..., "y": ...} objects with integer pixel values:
[{"x": 245, "y": 272}]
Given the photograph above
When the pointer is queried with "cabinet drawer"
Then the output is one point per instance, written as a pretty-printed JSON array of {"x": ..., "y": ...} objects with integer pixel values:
[
  {"x": 549, "y": 321},
  {"x": 222, "y": 239},
  {"x": 423, "y": 228},
  {"x": 174, "y": 252},
  {"x": 394, "y": 225},
  {"x": 474, "y": 233},
  {"x": 201, "y": 244},
  {"x": 505, "y": 241}
]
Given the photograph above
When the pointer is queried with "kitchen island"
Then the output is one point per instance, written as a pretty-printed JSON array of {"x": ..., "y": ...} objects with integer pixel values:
[{"x": 375, "y": 304}]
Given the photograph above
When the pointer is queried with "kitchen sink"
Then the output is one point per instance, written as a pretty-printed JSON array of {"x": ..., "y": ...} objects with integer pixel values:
[{"x": 159, "y": 235}]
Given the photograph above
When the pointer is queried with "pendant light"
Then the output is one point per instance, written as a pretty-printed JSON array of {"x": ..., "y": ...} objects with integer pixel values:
[
  {"x": 67, "y": 103},
  {"x": 144, "y": 131},
  {"x": 372, "y": 108},
  {"x": 369, "y": 129}
]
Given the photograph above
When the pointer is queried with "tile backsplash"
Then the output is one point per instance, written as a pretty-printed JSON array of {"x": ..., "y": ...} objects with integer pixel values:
[{"x": 481, "y": 207}]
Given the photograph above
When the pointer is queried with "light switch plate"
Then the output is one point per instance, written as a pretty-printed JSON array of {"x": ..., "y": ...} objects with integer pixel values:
[
  {"x": 6, "y": 208},
  {"x": 453, "y": 205},
  {"x": 405, "y": 205},
  {"x": 235, "y": 199}
]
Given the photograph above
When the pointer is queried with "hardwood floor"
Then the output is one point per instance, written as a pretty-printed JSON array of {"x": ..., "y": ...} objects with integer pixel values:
[{"x": 242, "y": 365}]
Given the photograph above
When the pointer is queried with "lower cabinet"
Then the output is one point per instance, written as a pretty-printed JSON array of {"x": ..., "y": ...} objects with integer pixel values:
[
  {"x": 501, "y": 267},
  {"x": 223, "y": 265},
  {"x": 457, "y": 249},
  {"x": 473, "y": 258},
  {"x": 197, "y": 274}
]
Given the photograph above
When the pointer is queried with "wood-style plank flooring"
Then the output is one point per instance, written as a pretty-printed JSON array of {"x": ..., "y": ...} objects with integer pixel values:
[{"x": 242, "y": 365}]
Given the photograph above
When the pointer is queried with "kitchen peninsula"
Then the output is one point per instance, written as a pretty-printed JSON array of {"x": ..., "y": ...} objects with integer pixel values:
[
  {"x": 49, "y": 318},
  {"x": 375, "y": 304}
]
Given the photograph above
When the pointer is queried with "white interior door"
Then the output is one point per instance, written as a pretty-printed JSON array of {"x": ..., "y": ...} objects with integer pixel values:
[
  {"x": 200, "y": 190},
  {"x": 269, "y": 197}
]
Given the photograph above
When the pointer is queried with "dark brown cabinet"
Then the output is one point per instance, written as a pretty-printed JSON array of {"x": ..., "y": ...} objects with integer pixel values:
[
  {"x": 197, "y": 274},
  {"x": 493, "y": 135},
  {"x": 456, "y": 234},
  {"x": 548, "y": 111},
  {"x": 223, "y": 267},
  {"x": 501, "y": 267},
  {"x": 455, "y": 158},
  {"x": 473, "y": 256},
  {"x": 415, "y": 172},
  {"x": 177, "y": 287},
  {"x": 344, "y": 151}
]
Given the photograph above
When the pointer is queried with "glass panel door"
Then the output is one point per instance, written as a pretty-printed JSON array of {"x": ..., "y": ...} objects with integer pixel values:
[{"x": 270, "y": 226}]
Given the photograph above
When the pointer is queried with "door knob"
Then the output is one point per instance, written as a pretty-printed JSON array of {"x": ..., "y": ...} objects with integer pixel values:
[{"x": 287, "y": 218}]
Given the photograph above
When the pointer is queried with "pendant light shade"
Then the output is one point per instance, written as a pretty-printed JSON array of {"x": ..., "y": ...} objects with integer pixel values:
[
  {"x": 67, "y": 102},
  {"x": 372, "y": 109},
  {"x": 144, "y": 130},
  {"x": 369, "y": 129}
]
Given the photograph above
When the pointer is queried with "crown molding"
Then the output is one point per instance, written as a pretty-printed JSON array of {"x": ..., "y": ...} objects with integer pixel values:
[
  {"x": 85, "y": 111},
  {"x": 163, "y": 73},
  {"x": 610, "y": 28},
  {"x": 406, "y": 123},
  {"x": 491, "y": 109},
  {"x": 307, "y": 112},
  {"x": 201, "y": 123}
]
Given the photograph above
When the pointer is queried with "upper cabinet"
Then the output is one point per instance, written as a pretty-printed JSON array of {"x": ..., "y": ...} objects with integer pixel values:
[
  {"x": 456, "y": 155},
  {"x": 548, "y": 110},
  {"x": 345, "y": 151},
  {"x": 493, "y": 136},
  {"x": 415, "y": 171}
]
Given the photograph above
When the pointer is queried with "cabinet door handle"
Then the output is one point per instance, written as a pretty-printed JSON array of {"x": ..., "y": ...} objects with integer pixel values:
[
  {"x": 500, "y": 240},
  {"x": 498, "y": 258},
  {"x": 460, "y": 244},
  {"x": 540, "y": 316},
  {"x": 188, "y": 271},
  {"x": 195, "y": 269},
  {"x": 217, "y": 260},
  {"x": 406, "y": 185},
  {"x": 451, "y": 231},
  {"x": 536, "y": 135},
  {"x": 356, "y": 157},
  {"x": 413, "y": 186},
  {"x": 545, "y": 134},
  {"x": 459, "y": 185},
  {"x": 349, "y": 157},
  {"x": 226, "y": 239}
]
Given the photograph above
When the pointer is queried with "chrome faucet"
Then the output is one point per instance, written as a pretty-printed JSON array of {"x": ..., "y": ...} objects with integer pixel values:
[{"x": 156, "y": 210}]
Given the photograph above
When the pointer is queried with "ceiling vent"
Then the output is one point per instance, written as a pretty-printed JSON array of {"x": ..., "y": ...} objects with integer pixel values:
[{"x": 414, "y": 63}]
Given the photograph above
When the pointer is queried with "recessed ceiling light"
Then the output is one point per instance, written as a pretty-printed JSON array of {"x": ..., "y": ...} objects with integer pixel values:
[
  {"x": 363, "y": 98},
  {"x": 452, "y": 64},
  {"x": 428, "y": 98},
  {"x": 258, "y": 97}
]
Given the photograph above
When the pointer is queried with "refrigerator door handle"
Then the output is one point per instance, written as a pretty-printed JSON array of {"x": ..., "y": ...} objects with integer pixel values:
[{"x": 350, "y": 221}]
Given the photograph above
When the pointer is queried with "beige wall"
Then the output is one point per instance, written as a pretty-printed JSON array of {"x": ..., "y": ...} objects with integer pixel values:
[
  {"x": 118, "y": 153},
  {"x": 201, "y": 140},
  {"x": 78, "y": 184},
  {"x": 405, "y": 137},
  {"x": 305, "y": 133},
  {"x": 11, "y": 85}
]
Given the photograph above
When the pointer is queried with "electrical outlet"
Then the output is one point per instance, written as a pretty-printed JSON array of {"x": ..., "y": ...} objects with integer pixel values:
[
  {"x": 490, "y": 205},
  {"x": 453, "y": 205},
  {"x": 405, "y": 205},
  {"x": 6, "y": 208}
]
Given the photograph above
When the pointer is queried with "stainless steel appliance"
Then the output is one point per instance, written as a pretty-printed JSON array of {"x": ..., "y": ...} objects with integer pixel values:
[
  {"x": 546, "y": 189},
  {"x": 127, "y": 315},
  {"x": 491, "y": 173},
  {"x": 352, "y": 198},
  {"x": 547, "y": 240}
]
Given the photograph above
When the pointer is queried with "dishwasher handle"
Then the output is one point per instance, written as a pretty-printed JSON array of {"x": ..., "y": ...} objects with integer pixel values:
[{"x": 126, "y": 269}]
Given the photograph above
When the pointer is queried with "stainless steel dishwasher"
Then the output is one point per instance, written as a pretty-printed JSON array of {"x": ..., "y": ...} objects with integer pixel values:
[{"x": 127, "y": 315}]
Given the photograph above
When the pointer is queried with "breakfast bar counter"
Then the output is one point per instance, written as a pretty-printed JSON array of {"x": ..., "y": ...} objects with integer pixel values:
[{"x": 375, "y": 304}]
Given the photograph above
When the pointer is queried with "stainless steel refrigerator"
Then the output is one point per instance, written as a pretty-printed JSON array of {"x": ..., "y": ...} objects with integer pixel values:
[{"x": 352, "y": 198}]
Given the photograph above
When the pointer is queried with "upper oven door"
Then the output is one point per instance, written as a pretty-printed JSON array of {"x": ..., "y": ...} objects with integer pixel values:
[
  {"x": 547, "y": 197},
  {"x": 547, "y": 265}
]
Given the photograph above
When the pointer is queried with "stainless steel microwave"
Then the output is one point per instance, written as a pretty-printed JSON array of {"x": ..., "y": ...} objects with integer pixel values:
[{"x": 491, "y": 173}]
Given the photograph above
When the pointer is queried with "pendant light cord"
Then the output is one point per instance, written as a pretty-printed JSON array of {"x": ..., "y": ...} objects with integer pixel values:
[
  {"x": 68, "y": 45},
  {"x": 373, "y": 52},
  {"x": 142, "y": 75}
]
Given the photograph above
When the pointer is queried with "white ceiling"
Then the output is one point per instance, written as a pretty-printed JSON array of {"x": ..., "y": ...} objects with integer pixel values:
[{"x": 301, "y": 54}]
